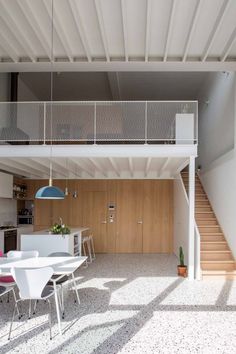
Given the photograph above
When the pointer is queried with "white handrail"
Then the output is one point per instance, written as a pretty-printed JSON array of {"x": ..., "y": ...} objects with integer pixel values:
[{"x": 197, "y": 260}]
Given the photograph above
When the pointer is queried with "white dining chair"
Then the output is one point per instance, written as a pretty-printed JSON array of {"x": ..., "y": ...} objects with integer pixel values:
[
  {"x": 32, "y": 284},
  {"x": 22, "y": 254},
  {"x": 7, "y": 281},
  {"x": 6, "y": 290},
  {"x": 63, "y": 281}
]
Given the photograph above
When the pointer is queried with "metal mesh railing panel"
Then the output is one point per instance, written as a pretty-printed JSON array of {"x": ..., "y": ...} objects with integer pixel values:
[
  {"x": 21, "y": 121},
  {"x": 161, "y": 119},
  {"x": 119, "y": 121},
  {"x": 104, "y": 122},
  {"x": 70, "y": 121}
]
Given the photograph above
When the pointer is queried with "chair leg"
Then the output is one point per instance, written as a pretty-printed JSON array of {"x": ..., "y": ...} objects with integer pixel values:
[
  {"x": 62, "y": 303},
  {"x": 8, "y": 297},
  {"x": 29, "y": 309},
  {"x": 13, "y": 316},
  {"x": 93, "y": 250},
  {"x": 18, "y": 312},
  {"x": 85, "y": 254},
  {"x": 89, "y": 251},
  {"x": 77, "y": 299},
  {"x": 35, "y": 306},
  {"x": 50, "y": 318}
]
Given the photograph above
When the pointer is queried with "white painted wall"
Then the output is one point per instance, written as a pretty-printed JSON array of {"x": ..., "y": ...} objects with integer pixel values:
[
  {"x": 216, "y": 118},
  {"x": 218, "y": 175},
  {"x": 8, "y": 211},
  {"x": 181, "y": 216},
  {"x": 24, "y": 91}
]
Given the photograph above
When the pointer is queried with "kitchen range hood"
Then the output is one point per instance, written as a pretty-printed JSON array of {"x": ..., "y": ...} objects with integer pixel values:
[{"x": 11, "y": 133}]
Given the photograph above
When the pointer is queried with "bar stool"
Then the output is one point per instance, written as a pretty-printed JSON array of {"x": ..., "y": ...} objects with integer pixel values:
[
  {"x": 93, "y": 257},
  {"x": 86, "y": 242}
]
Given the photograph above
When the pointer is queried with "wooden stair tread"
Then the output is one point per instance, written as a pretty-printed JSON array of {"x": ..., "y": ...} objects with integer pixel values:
[
  {"x": 207, "y": 219},
  {"x": 215, "y": 251},
  {"x": 212, "y": 233},
  {"x": 210, "y": 226},
  {"x": 213, "y": 242},
  {"x": 219, "y": 272},
  {"x": 219, "y": 261}
]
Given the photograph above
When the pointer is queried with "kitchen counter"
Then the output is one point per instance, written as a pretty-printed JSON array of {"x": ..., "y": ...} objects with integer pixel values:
[
  {"x": 72, "y": 232},
  {"x": 46, "y": 243}
]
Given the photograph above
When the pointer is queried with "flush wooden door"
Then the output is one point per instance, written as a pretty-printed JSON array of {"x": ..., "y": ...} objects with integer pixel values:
[
  {"x": 129, "y": 216},
  {"x": 95, "y": 217},
  {"x": 158, "y": 216}
]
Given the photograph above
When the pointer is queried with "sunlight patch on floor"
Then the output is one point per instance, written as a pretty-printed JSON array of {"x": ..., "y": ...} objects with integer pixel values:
[{"x": 143, "y": 290}]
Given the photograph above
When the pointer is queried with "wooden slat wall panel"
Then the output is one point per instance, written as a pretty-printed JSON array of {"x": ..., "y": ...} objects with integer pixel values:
[
  {"x": 150, "y": 201},
  {"x": 75, "y": 205},
  {"x": 112, "y": 227},
  {"x": 42, "y": 209},
  {"x": 60, "y": 208}
]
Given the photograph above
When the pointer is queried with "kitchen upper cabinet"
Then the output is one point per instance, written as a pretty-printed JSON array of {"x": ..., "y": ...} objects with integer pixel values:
[{"x": 6, "y": 185}]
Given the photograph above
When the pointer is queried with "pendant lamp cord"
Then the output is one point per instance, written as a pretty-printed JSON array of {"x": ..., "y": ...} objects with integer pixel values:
[{"x": 51, "y": 91}]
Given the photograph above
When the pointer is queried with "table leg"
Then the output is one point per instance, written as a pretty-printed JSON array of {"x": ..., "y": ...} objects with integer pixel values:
[
  {"x": 57, "y": 307},
  {"x": 76, "y": 291}
]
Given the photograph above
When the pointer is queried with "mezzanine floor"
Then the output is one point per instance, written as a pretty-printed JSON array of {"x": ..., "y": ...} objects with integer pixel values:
[{"x": 133, "y": 304}]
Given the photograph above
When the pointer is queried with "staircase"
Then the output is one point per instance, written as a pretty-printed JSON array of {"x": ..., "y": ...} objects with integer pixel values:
[{"x": 216, "y": 256}]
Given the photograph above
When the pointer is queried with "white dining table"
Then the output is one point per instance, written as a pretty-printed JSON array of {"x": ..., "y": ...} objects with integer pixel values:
[{"x": 60, "y": 265}]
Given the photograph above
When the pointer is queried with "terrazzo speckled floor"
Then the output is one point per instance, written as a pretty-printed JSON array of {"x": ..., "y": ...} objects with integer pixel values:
[{"x": 133, "y": 304}]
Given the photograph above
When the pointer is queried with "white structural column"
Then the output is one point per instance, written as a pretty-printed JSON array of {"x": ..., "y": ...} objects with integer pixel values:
[{"x": 191, "y": 228}]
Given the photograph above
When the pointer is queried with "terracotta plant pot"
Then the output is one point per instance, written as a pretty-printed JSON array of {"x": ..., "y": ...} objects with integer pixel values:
[{"x": 182, "y": 271}]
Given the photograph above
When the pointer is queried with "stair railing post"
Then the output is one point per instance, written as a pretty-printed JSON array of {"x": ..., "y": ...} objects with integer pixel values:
[{"x": 191, "y": 229}]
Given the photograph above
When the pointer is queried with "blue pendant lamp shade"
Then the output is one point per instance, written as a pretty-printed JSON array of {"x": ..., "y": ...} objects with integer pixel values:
[{"x": 49, "y": 192}]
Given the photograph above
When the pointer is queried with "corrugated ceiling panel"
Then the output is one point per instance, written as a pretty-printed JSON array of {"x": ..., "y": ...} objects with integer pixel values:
[
  {"x": 159, "y": 25},
  {"x": 91, "y": 27},
  {"x": 111, "y": 11},
  {"x": 136, "y": 27},
  {"x": 62, "y": 7},
  {"x": 181, "y": 26},
  {"x": 204, "y": 26},
  {"x": 225, "y": 31}
]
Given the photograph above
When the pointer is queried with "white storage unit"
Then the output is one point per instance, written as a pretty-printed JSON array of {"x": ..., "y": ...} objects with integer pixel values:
[
  {"x": 46, "y": 243},
  {"x": 6, "y": 185},
  {"x": 184, "y": 128}
]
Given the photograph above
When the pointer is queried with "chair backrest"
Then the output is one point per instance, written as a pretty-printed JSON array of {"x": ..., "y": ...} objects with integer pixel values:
[
  {"x": 31, "y": 282},
  {"x": 60, "y": 254},
  {"x": 1, "y": 253},
  {"x": 22, "y": 254}
]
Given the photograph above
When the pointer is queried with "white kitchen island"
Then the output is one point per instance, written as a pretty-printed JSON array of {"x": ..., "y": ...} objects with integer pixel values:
[{"x": 46, "y": 243}]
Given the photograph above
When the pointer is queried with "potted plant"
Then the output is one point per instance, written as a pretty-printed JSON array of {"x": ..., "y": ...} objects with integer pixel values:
[
  {"x": 58, "y": 229},
  {"x": 182, "y": 268}
]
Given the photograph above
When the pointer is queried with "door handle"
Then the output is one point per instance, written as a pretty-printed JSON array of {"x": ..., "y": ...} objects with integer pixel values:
[
  {"x": 140, "y": 222},
  {"x": 103, "y": 222}
]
